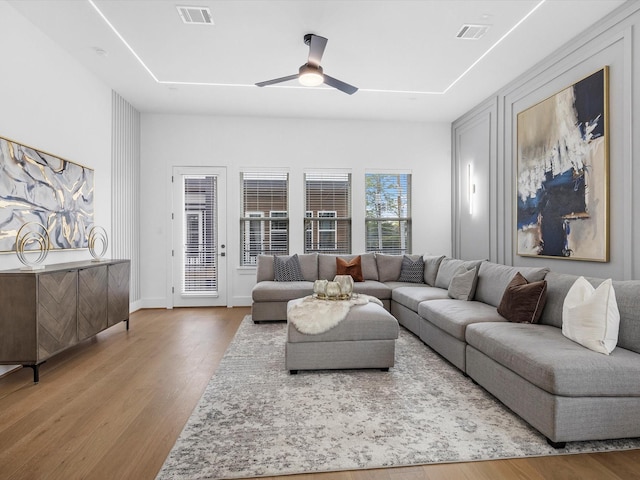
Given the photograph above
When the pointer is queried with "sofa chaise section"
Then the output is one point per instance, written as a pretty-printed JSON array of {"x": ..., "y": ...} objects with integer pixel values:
[
  {"x": 564, "y": 390},
  {"x": 405, "y": 301},
  {"x": 444, "y": 322},
  {"x": 270, "y": 297}
]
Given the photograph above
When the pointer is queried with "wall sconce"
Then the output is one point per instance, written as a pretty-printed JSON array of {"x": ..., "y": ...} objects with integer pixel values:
[{"x": 471, "y": 188}]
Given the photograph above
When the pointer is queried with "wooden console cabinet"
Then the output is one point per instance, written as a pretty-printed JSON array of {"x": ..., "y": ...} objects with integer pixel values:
[{"x": 43, "y": 312}]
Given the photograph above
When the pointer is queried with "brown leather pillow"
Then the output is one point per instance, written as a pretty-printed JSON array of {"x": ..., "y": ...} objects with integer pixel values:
[
  {"x": 522, "y": 302},
  {"x": 352, "y": 267}
]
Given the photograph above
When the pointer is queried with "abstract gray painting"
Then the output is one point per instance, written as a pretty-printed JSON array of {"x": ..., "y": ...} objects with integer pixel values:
[{"x": 39, "y": 187}]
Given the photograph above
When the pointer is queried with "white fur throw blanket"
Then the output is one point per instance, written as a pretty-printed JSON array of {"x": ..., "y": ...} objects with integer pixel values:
[{"x": 312, "y": 316}]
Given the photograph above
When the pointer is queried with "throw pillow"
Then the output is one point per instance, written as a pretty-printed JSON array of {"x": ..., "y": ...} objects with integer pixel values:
[
  {"x": 287, "y": 269},
  {"x": 463, "y": 283},
  {"x": 431, "y": 265},
  {"x": 388, "y": 267},
  {"x": 522, "y": 302},
  {"x": 352, "y": 267},
  {"x": 412, "y": 271},
  {"x": 590, "y": 315}
]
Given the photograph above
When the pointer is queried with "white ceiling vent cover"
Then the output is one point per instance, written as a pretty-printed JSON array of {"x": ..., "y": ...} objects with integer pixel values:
[
  {"x": 472, "y": 32},
  {"x": 195, "y": 15}
]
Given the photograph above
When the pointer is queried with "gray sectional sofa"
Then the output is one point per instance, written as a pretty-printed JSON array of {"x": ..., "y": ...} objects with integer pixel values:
[{"x": 564, "y": 390}]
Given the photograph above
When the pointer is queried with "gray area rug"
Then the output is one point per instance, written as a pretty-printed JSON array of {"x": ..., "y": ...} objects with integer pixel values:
[{"x": 255, "y": 419}]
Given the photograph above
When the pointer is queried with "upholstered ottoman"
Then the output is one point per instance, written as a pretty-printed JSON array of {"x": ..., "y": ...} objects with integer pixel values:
[{"x": 366, "y": 338}]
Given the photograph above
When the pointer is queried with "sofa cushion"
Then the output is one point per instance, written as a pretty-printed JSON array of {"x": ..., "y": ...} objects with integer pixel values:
[
  {"x": 431, "y": 265},
  {"x": 412, "y": 296},
  {"x": 308, "y": 265},
  {"x": 493, "y": 279},
  {"x": 628, "y": 300},
  {"x": 448, "y": 267},
  {"x": 543, "y": 356},
  {"x": 412, "y": 271},
  {"x": 627, "y": 297},
  {"x": 373, "y": 288},
  {"x": 287, "y": 269},
  {"x": 389, "y": 267},
  {"x": 523, "y": 302},
  {"x": 590, "y": 316},
  {"x": 453, "y": 316},
  {"x": 327, "y": 265},
  {"x": 463, "y": 284},
  {"x": 558, "y": 284},
  {"x": 272, "y": 291},
  {"x": 351, "y": 267}
]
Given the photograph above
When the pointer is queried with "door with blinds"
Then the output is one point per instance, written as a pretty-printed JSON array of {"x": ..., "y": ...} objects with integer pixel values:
[{"x": 199, "y": 245}]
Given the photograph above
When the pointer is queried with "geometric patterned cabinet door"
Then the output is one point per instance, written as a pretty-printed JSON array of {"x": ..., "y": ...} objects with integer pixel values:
[
  {"x": 57, "y": 299},
  {"x": 118, "y": 293},
  {"x": 92, "y": 301}
]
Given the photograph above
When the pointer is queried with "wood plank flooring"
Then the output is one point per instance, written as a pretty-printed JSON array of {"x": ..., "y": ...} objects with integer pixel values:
[{"x": 113, "y": 406}]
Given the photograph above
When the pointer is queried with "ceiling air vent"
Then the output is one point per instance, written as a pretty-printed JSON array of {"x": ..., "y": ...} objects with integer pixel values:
[
  {"x": 195, "y": 15},
  {"x": 472, "y": 32}
]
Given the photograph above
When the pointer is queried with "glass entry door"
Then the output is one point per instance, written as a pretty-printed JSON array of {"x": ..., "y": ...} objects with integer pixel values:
[{"x": 199, "y": 246}]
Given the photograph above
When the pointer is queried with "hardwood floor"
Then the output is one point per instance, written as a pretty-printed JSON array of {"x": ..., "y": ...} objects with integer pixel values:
[{"x": 113, "y": 406}]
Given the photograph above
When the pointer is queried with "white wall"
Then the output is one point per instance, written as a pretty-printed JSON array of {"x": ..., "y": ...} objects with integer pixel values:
[
  {"x": 49, "y": 102},
  {"x": 295, "y": 145},
  {"x": 493, "y": 125}
]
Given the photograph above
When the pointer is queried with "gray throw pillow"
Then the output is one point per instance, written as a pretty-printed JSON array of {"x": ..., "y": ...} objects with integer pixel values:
[
  {"x": 412, "y": 271},
  {"x": 287, "y": 269},
  {"x": 389, "y": 267},
  {"x": 431, "y": 265},
  {"x": 463, "y": 284}
]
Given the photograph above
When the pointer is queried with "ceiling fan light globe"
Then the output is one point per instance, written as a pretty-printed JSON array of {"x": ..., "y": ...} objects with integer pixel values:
[
  {"x": 311, "y": 79},
  {"x": 310, "y": 76}
]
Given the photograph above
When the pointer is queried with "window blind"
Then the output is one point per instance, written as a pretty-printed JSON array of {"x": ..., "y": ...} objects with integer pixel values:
[
  {"x": 327, "y": 221},
  {"x": 200, "y": 241},
  {"x": 264, "y": 224},
  {"x": 388, "y": 212}
]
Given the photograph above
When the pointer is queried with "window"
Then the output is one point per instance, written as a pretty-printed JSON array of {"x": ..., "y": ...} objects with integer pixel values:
[
  {"x": 327, "y": 231},
  {"x": 199, "y": 237},
  {"x": 253, "y": 240},
  {"x": 264, "y": 225},
  {"x": 388, "y": 212},
  {"x": 279, "y": 230},
  {"x": 327, "y": 212}
]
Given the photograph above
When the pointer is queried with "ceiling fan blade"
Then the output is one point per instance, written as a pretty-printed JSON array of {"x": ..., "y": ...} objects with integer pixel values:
[
  {"x": 340, "y": 85},
  {"x": 317, "y": 45},
  {"x": 276, "y": 80}
]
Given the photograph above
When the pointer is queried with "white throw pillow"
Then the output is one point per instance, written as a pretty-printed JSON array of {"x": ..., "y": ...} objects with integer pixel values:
[{"x": 590, "y": 315}]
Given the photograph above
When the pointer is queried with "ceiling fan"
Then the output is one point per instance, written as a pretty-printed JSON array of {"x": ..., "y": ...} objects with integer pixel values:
[{"x": 310, "y": 74}]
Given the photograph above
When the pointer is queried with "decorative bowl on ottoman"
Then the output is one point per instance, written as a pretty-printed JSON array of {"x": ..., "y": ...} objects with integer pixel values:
[{"x": 346, "y": 285}]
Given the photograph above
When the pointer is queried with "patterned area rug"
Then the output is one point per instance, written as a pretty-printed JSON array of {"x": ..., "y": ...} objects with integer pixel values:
[{"x": 255, "y": 419}]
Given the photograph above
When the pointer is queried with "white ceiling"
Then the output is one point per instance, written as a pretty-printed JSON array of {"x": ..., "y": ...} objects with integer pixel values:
[{"x": 407, "y": 49}]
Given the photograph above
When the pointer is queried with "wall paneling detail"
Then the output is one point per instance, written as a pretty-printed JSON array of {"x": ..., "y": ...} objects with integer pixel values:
[
  {"x": 125, "y": 195},
  {"x": 611, "y": 42}
]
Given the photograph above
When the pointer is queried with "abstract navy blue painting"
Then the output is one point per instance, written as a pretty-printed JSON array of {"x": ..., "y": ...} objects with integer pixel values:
[
  {"x": 36, "y": 186},
  {"x": 563, "y": 174}
]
